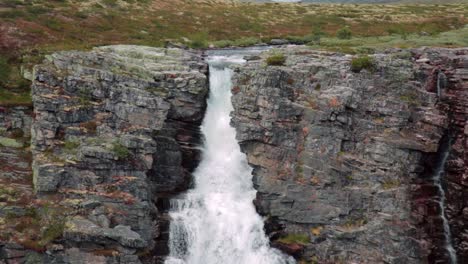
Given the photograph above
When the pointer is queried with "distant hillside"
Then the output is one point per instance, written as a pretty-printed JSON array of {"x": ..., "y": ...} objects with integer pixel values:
[{"x": 31, "y": 28}]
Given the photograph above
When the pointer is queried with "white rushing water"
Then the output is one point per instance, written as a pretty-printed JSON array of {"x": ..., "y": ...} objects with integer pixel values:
[
  {"x": 437, "y": 178},
  {"x": 216, "y": 222}
]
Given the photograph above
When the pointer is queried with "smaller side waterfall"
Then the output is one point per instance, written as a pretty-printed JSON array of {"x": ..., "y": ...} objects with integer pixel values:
[{"x": 439, "y": 172}]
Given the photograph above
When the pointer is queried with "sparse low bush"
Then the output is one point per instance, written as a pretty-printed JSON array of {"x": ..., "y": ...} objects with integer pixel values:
[
  {"x": 344, "y": 33},
  {"x": 363, "y": 62},
  {"x": 277, "y": 59}
]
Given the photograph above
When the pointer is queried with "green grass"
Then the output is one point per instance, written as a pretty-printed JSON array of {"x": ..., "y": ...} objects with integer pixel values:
[
  {"x": 242, "y": 42},
  {"x": 205, "y": 22},
  {"x": 302, "y": 239},
  {"x": 42, "y": 27},
  {"x": 453, "y": 38},
  {"x": 10, "y": 98}
]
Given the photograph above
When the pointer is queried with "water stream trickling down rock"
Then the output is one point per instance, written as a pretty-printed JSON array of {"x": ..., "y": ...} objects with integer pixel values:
[{"x": 439, "y": 173}]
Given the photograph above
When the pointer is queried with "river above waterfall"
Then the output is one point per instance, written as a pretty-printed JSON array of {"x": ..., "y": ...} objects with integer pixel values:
[{"x": 216, "y": 222}]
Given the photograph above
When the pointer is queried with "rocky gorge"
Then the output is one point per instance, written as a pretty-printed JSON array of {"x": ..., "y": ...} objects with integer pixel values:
[{"x": 343, "y": 160}]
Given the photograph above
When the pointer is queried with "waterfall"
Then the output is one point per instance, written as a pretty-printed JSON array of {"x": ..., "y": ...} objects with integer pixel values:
[
  {"x": 216, "y": 222},
  {"x": 437, "y": 179}
]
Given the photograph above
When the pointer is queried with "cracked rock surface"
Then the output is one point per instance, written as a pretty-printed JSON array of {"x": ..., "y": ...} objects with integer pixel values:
[{"x": 339, "y": 157}]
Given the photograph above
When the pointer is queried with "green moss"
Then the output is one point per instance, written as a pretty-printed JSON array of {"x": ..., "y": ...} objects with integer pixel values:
[
  {"x": 71, "y": 145},
  {"x": 362, "y": 62},
  {"x": 276, "y": 59},
  {"x": 9, "y": 142},
  {"x": 302, "y": 239},
  {"x": 120, "y": 151},
  {"x": 390, "y": 184}
]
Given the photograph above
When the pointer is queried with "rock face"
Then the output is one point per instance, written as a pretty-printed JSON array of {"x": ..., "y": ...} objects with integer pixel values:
[
  {"x": 115, "y": 131},
  {"x": 341, "y": 158},
  {"x": 16, "y": 189},
  {"x": 446, "y": 73},
  {"x": 343, "y": 161}
]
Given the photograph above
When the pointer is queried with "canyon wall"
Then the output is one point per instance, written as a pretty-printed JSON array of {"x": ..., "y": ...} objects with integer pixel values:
[
  {"x": 115, "y": 132},
  {"x": 343, "y": 160}
]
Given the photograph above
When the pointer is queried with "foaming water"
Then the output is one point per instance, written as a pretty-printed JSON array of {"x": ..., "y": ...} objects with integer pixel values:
[{"x": 216, "y": 222}]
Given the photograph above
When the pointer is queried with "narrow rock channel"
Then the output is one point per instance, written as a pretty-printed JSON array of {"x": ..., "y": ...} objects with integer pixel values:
[{"x": 216, "y": 221}]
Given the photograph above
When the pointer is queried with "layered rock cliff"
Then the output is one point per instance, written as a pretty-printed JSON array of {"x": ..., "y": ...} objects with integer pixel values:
[
  {"x": 343, "y": 161},
  {"x": 115, "y": 131}
]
